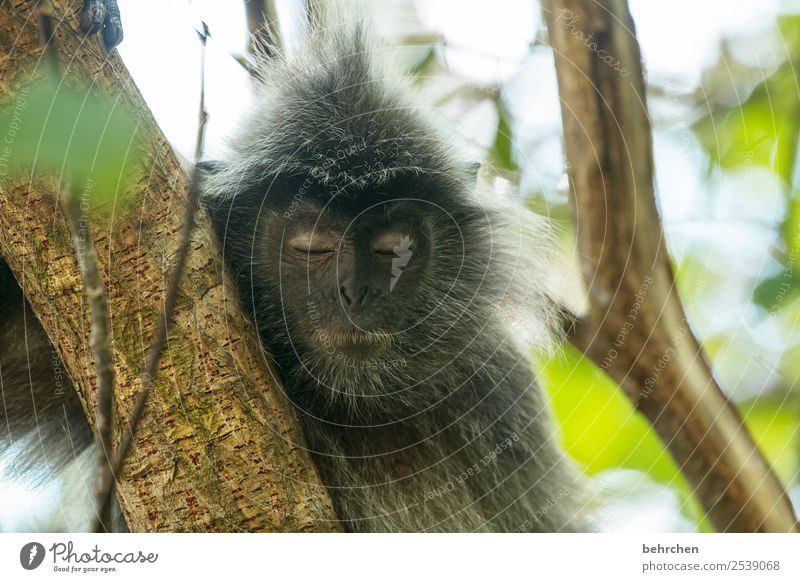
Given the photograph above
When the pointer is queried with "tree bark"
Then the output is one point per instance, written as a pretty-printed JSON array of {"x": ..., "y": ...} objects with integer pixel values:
[
  {"x": 636, "y": 328},
  {"x": 219, "y": 448}
]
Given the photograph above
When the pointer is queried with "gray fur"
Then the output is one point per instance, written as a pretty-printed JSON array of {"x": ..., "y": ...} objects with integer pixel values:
[
  {"x": 47, "y": 452},
  {"x": 46, "y": 478},
  {"x": 458, "y": 438}
]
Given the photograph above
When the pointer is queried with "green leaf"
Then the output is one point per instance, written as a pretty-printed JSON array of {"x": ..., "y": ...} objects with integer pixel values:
[
  {"x": 762, "y": 130},
  {"x": 87, "y": 139},
  {"x": 775, "y": 426},
  {"x": 420, "y": 69},
  {"x": 774, "y": 292},
  {"x": 502, "y": 150},
  {"x": 790, "y": 230}
]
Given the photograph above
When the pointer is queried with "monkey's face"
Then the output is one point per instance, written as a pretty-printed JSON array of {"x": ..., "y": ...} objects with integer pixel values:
[
  {"x": 365, "y": 296},
  {"x": 351, "y": 282},
  {"x": 365, "y": 293}
]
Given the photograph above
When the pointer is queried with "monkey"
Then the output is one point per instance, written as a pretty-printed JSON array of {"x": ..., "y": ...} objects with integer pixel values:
[
  {"x": 399, "y": 301},
  {"x": 47, "y": 456},
  {"x": 386, "y": 288}
]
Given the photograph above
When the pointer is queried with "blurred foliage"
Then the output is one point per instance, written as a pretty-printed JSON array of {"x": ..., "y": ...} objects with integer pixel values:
[
  {"x": 84, "y": 137},
  {"x": 600, "y": 428},
  {"x": 774, "y": 426},
  {"x": 761, "y": 130}
]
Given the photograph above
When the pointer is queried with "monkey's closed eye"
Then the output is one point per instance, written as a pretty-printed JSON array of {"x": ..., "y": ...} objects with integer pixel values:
[
  {"x": 391, "y": 242},
  {"x": 314, "y": 242}
]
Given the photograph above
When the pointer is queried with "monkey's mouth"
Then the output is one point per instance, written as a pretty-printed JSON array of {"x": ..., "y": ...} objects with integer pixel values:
[{"x": 331, "y": 340}]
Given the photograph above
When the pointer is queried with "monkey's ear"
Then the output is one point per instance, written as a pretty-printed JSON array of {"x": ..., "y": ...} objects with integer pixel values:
[
  {"x": 472, "y": 170},
  {"x": 210, "y": 166}
]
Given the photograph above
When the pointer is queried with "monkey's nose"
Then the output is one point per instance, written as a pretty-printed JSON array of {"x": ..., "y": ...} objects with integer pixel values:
[{"x": 354, "y": 295}]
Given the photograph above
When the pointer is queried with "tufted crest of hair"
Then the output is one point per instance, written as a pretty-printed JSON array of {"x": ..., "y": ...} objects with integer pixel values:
[{"x": 330, "y": 109}]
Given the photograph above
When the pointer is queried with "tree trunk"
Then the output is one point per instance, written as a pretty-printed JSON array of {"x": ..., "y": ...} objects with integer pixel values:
[
  {"x": 219, "y": 448},
  {"x": 636, "y": 328}
]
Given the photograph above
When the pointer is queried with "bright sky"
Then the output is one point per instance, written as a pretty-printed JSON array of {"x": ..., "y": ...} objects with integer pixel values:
[{"x": 162, "y": 51}]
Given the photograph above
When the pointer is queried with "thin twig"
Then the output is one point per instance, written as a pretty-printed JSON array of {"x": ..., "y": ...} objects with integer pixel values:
[
  {"x": 159, "y": 340},
  {"x": 46, "y": 33},
  {"x": 99, "y": 340},
  {"x": 96, "y": 297}
]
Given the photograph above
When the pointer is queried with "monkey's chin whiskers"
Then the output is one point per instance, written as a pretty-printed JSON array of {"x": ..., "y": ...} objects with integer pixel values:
[{"x": 329, "y": 340}]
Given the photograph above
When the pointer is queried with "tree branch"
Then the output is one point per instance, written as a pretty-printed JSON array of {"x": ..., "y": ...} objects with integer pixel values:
[
  {"x": 157, "y": 345},
  {"x": 100, "y": 341},
  {"x": 640, "y": 332}
]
